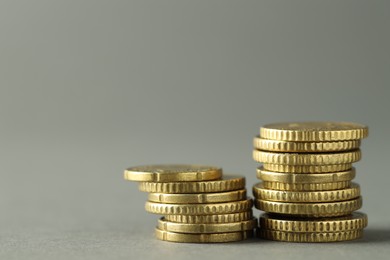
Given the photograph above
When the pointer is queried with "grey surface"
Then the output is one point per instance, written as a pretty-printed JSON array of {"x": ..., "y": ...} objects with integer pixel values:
[{"x": 88, "y": 88}]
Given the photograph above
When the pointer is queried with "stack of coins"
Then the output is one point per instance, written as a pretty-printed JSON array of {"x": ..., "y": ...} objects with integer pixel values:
[
  {"x": 307, "y": 189},
  {"x": 197, "y": 203}
]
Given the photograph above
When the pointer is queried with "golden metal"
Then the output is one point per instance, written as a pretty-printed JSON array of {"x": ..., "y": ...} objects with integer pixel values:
[
  {"x": 228, "y": 183},
  {"x": 199, "y": 209},
  {"x": 262, "y": 193},
  {"x": 198, "y": 198},
  {"x": 306, "y": 159},
  {"x": 307, "y": 168},
  {"x": 310, "y": 237},
  {"x": 202, "y": 238},
  {"x": 172, "y": 173},
  {"x": 304, "y": 147},
  {"x": 306, "y": 186},
  {"x": 354, "y": 221},
  {"x": 327, "y": 209},
  {"x": 205, "y": 219},
  {"x": 314, "y": 131},
  {"x": 305, "y": 178},
  {"x": 206, "y": 228}
]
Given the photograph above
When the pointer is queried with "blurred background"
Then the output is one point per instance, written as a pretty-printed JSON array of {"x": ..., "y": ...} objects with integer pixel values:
[{"x": 88, "y": 88}]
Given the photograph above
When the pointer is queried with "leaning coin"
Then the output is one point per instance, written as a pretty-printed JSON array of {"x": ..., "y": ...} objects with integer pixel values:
[{"x": 227, "y": 183}]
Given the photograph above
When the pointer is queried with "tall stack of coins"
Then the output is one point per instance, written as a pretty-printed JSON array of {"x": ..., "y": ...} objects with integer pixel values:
[
  {"x": 197, "y": 203},
  {"x": 307, "y": 190}
]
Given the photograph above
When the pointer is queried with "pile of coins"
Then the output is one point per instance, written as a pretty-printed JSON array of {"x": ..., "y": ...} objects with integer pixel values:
[
  {"x": 307, "y": 190},
  {"x": 197, "y": 203}
]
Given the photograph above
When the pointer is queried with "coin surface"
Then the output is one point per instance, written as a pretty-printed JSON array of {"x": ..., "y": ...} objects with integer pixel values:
[
  {"x": 310, "y": 237},
  {"x": 306, "y": 159},
  {"x": 206, "y": 228},
  {"x": 349, "y": 193},
  {"x": 356, "y": 220},
  {"x": 202, "y": 238},
  {"x": 306, "y": 186},
  {"x": 198, "y": 198},
  {"x": 305, "y": 178},
  {"x": 204, "y": 219},
  {"x": 172, "y": 173},
  {"x": 304, "y": 147},
  {"x": 307, "y": 168},
  {"x": 227, "y": 183},
  {"x": 324, "y": 209},
  {"x": 314, "y": 131},
  {"x": 199, "y": 209}
]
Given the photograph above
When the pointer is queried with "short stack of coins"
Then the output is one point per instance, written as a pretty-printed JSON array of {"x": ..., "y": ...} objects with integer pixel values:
[
  {"x": 306, "y": 186},
  {"x": 197, "y": 203}
]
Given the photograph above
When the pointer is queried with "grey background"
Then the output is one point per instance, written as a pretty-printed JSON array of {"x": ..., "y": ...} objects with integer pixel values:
[{"x": 88, "y": 88}]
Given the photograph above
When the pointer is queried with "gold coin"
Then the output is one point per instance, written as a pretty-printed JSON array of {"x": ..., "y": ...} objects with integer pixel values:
[
  {"x": 314, "y": 131},
  {"x": 198, "y": 198},
  {"x": 307, "y": 168},
  {"x": 306, "y": 186},
  {"x": 199, "y": 209},
  {"x": 310, "y": 237},
  {"x": 306, "y": 159},
  {"x": 205, "y": 219},
  {"x": 305, "y": 178},
  {"x": 228, "y": 183},
  {"x": 206, "y": 228},
  {"x": 172, "y": 173},
  {"x": 354, "y": 221},
  {"x": 327, "y": 209},
  {"x": 262, "y": 193},
  {"x": 202, "y": 238},
  {"x": 304, "y": 147}
]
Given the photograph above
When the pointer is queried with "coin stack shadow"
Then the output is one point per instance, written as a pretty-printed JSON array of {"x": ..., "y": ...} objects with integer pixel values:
[
  {"x": 206, "y": 211},
  {"x": 307, "y": 190}
]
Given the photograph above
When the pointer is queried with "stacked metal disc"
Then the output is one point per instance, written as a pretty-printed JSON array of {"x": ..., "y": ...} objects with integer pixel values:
[
  {"x": 307, "y": 190},
  {"x": 197, "y": 203}
]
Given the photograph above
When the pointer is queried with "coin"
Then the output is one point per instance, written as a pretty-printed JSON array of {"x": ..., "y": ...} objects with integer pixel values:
[
  {"x": 172, "y": 173},
  {"x": 262, "y": 193},
  {"x": 204, "y": 219},
  {"x": 198, "y": 198},
  {"x": 354, "y": 221},
  {"x": 305, "y": 178},
  {"x": 199, "y": 209},
  {"x": 228, "y": 183},
  {"x": 310, "y": 237},
  {"x": 202, "y": 238},
  {"x": 304, "y": 147},
  {"x": 306, "y": 186},
  {"x": 307, "y": 168},
  {"x": 206, "y": 228},
  {"x": 314, "y": 131},
  {"x": 327, "y": 209},
  {"x": 306, "y": 159}
]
